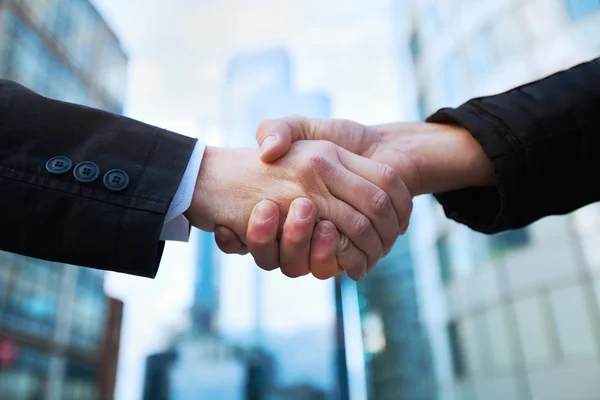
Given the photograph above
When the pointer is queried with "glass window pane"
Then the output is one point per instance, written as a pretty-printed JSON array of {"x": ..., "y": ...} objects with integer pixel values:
[
  {"x": 444, "y": 259},
  {"x": 501, "y": 339},
  {"x": 573, "y": 322},
  {"x": 578, "y": 9},
  {"x": 535, "y": 330},
  {"x": 456, "y": 349},
  {"x": 474, "y": 341}
]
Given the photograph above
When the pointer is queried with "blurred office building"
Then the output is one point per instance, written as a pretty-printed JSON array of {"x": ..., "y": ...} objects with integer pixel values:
[
  {"x": 508, "y": 316},
  {"x": 59, "y": 332},
  {"x": 207, "y": 366},
  {"x": 259, "y": 85}
]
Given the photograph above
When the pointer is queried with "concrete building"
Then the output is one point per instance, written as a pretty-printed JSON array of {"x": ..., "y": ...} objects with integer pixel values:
[
  {"x": 61, "y": 330},
  {"x": 515, "y": 315}
]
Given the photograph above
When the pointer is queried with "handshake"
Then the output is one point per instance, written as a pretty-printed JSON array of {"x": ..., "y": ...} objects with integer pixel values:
[{"x": 327, "y": 196}]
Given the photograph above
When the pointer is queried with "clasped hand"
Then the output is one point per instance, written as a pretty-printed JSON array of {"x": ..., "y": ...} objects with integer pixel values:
[{"x": 318, "y": 209}]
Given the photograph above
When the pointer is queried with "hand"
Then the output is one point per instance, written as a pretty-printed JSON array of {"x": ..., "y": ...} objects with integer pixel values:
[
  {"x": 232, "y": 182},
  {"x": 428, "y": 157}
]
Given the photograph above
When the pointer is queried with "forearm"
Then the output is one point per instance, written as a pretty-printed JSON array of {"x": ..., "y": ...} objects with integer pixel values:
[{"x": 543, "y": 141}]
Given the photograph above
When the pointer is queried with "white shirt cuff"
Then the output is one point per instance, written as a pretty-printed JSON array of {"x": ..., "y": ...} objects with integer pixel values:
[{"x": 176, "y": 226}]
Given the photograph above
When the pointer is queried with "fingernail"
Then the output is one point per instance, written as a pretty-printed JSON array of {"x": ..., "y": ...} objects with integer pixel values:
[
  {"x": 302, "y": 209},
  {"x": 403, "y": 229},
  {"x": 268, "y": 143},
  {"x": 264, "y": 212},
  {"x": 324, "y": 230}
]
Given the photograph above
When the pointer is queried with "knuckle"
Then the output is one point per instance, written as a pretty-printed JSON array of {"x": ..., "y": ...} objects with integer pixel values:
[
  {"x": 381, "y": 203},
  {"x": 296, "y": 240},
  {"x": 409, "y": 209},
  {"x": 257, "y": 241},
  {"x": 328, "y": 147},
  {"x": 319, "y": 162},
  {"x": 293, "y": 272},
  {"x": 361, "y": 226},
  {"x": 264, "y": 126},
  {"x": 266, "y": 266},
  {"x": 323, "y": 273},
  {"x": 343, "y": 244},
  {"x": 404, "y": 216},
  {"x": 387, "y": 175}
]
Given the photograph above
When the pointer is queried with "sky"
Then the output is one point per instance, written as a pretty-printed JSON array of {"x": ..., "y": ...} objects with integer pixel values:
[{"x": 178, "y": 51}]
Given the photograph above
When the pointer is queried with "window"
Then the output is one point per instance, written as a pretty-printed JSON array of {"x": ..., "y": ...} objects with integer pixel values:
[
  {"x": 5, "y": 276},
  {"x": 444, "y": 259},
  {"x": 33, "y": 297},
  {"x": 475, "y": 345},
  {"x": 577, "y": 9},
  {"x": 573, "y": 323},
  {"x": 509, "y": 241},
  {"x": 422, "y": 107},
  {"x": 25, "y": 378},
  {"x": 501, "y": 339},
  {"x": 415, "y": 47},
  {"x": 88, "y": 309},
  {"x": 535, "y": 330},
  {"x": 458, "y": 361},
  {"x": 80, "y": 382}
]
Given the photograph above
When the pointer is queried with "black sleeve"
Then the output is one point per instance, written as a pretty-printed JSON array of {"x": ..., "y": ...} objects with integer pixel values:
[
  {"x": 58, "y": 209},
  {"x": 543, "y": 139}
]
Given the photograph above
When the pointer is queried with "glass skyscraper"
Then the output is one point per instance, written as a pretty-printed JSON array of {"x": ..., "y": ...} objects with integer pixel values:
[{"x": 59, "y": 332}]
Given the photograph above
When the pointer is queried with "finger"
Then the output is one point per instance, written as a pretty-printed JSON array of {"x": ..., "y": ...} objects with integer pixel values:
[
  {"x": 229, "y": 242},
  {"x": 261, "y": 237},
  {"x": 323, "y": 260},
  {"x": 392, "y": 197},
  {"x": 351, "y": 259},
  {"x": 296, "y": 237},
  {"x": 275, "y": 136}
]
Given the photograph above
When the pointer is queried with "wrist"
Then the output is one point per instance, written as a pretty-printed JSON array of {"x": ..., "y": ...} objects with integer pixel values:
[
  {"x": 201, "y": 213},
  {"x": 445, "y": 157},
  {"x": 224, "y": 193}
]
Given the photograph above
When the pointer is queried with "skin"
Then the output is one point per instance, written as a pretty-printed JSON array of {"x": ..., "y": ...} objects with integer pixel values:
[
  {"x": 314, "y": 183},
  {"x": 429, "y": 158}
]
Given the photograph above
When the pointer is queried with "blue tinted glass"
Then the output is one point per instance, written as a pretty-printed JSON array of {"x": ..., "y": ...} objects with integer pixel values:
[{"x": 581, "y": 8}]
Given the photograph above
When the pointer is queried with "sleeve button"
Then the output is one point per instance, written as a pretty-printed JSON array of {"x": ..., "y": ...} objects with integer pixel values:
[
  {"x": 116, "y": 180},
  {"x": 59, "y": 165},
  {"x": 86, "y": 172}
]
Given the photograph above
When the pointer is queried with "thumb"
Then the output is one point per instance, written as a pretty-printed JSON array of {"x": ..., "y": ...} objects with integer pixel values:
[{"x": 275, "y": 136}]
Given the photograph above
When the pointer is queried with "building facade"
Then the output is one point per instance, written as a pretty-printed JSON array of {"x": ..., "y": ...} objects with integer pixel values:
[
  {"x": 61, "y": 331},
  {"x": 514, "y": 315},
  {"x": 259, "y": 86}
]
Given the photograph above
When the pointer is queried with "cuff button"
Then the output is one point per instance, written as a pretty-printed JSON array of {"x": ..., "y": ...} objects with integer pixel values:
[
  {"x": 59, "y": 165},
  {"x": 116, "y": 180},
  {"x": 86, "y": 172}
]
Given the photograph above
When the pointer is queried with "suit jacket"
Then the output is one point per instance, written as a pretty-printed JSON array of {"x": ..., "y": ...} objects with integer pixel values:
[
  {"x": 83, "y": 186},
  {"x": 543, "y": 139}
]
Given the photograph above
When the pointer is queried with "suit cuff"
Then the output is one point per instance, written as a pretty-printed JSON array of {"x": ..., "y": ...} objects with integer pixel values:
[{"x": 176, "y": 226}]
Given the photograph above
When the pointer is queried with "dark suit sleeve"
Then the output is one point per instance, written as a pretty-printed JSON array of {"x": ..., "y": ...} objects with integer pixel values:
[
  {"x": 543, "y": 139},
  {"x": 56, "y": 217}
]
